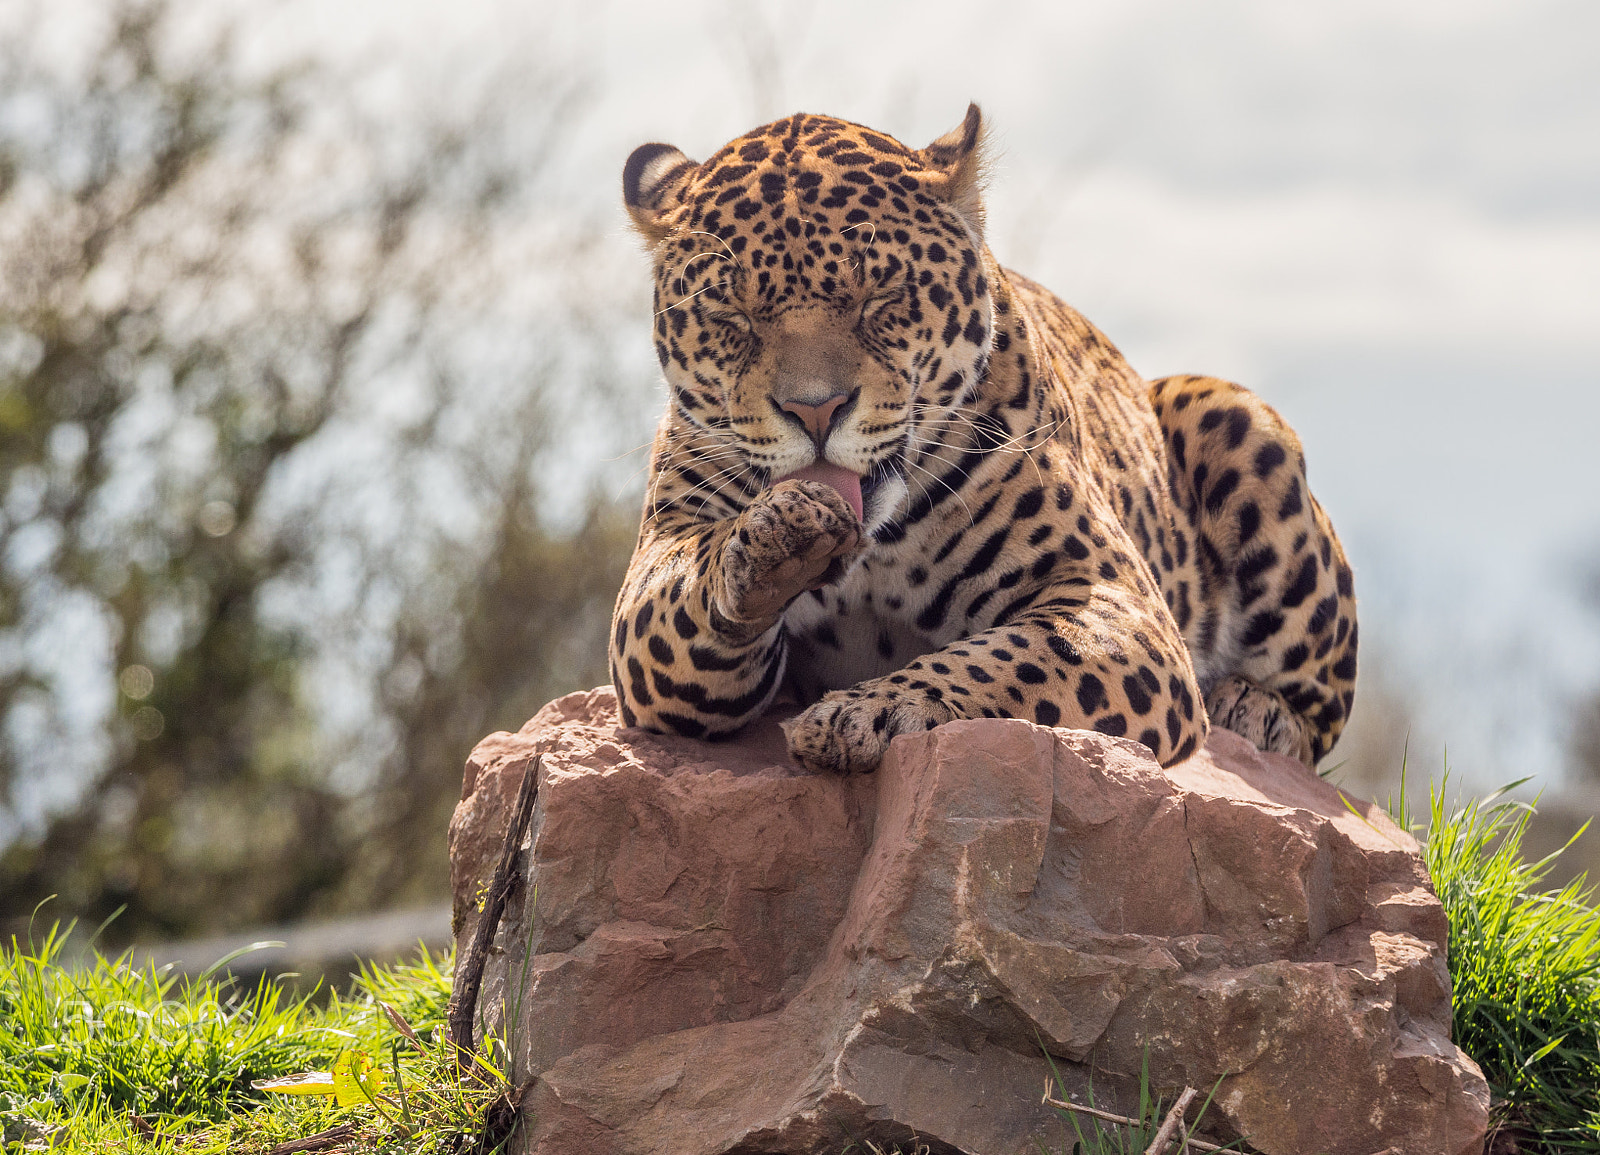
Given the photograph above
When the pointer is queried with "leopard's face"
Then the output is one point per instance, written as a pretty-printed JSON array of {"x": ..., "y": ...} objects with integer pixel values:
[{"x": 820, "y": 295}]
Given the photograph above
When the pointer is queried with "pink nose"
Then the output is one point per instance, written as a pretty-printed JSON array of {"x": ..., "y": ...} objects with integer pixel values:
[{"x": 816, "y": 418}]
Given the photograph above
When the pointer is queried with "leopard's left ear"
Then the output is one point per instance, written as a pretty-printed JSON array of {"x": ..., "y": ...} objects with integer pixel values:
[
  {"x": 650, "y": 178},
  {"x": 957, "y": 163}
]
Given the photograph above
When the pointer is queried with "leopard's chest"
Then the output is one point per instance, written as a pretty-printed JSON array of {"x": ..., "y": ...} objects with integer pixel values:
[{"x": 866, "y": 625}]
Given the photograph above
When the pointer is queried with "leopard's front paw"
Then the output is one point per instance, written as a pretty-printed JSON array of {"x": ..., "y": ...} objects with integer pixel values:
[
  {"x": 848, "y": 731},
  {"x": 790, "y": 539}
]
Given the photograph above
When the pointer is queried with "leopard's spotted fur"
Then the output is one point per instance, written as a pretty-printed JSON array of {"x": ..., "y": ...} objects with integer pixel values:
[{"x": 1044, "y": 534}]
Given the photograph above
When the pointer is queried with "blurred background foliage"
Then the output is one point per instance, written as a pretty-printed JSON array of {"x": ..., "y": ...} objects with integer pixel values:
[{"x": 274, "y": 380}]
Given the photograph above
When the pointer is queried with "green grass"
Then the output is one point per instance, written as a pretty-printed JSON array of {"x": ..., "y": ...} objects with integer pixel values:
[
  {"x": 105, "y": 1056},
  {"x": 1525, "y": 967}
]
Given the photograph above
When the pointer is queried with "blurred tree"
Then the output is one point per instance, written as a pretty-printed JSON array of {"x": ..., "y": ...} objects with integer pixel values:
[{"x": 277, "y": 378}]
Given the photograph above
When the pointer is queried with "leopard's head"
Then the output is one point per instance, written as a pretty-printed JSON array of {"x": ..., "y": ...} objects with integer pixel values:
[{"x": 822, "y": 299}]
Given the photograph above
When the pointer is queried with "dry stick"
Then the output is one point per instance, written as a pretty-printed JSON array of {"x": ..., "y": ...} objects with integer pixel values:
[
  {"x": 321, "y": 1141},
  {"x": 1169, "y": 1125},
  {"x": 469, "y": 974},
  {"x": 1110, "y": 1117}
]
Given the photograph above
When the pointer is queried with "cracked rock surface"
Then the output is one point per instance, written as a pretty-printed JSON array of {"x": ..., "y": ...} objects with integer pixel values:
[{"x": 723, "y": 954}]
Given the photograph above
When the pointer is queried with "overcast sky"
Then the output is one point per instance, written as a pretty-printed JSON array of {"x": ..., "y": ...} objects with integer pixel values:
[{"x": 1382, "y": 215}]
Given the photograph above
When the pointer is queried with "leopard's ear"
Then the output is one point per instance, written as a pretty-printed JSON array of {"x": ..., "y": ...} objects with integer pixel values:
[
  {"x": 650, "y": 178},
  {"x": 957, "y": 165}
]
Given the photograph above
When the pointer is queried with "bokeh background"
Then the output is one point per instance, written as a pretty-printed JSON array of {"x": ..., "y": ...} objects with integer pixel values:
[{"x": 324, "y": 374}]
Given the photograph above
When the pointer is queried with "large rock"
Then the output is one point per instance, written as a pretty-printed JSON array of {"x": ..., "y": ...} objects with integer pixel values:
[{"x": 725, "y": 954}]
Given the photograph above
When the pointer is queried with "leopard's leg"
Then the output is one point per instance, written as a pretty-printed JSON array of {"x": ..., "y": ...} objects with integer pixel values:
[
  {"x": 1086, "y": 654},
  {"x": 697, "y": 643},
  {"x": 1271, "y": 623}
]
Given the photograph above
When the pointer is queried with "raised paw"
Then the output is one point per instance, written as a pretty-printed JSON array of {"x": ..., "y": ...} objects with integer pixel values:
[
  {"x": 848, "y": 731},
  {"x": 1262, "y": 716},
  {"x": 792, "y": 538}
]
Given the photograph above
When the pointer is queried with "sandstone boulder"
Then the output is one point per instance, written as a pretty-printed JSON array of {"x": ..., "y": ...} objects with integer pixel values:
[{"x": 725, "y": 954}]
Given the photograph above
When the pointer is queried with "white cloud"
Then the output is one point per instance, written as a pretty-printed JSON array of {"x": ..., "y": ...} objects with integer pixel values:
[{"x": 1227, "y": 281}]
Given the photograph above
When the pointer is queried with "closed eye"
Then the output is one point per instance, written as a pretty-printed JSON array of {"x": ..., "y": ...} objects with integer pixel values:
[
  {"x": 874, "y": 306},
  {"x": 734, "y": 320}
]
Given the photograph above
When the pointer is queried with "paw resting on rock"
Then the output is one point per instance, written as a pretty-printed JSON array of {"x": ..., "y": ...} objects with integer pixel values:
[
  {"x": 848, "y": 731},
  {"x": 1260, "y": 715}
]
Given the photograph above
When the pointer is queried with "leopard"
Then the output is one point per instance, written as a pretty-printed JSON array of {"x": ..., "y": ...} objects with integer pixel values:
[{"x": 901, "y": 485}]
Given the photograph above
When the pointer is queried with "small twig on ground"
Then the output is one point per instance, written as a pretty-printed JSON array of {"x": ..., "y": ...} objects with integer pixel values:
[
  {"x": 1112, "y": 1117},
  {"x": 469, "y": 970},
  {"x": 1170, "y": 1125},
  {"x": 321, "y": 1141}
]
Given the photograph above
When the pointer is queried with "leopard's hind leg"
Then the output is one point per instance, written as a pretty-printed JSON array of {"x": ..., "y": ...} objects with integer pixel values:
[{"x": 1271, "y": 620}]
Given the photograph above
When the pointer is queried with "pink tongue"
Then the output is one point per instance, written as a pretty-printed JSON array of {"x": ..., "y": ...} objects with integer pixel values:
[{"x": 848, "y": 484}]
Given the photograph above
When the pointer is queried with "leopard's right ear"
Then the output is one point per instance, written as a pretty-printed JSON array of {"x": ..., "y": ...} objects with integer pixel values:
[{"x": 653, "y": 176}]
